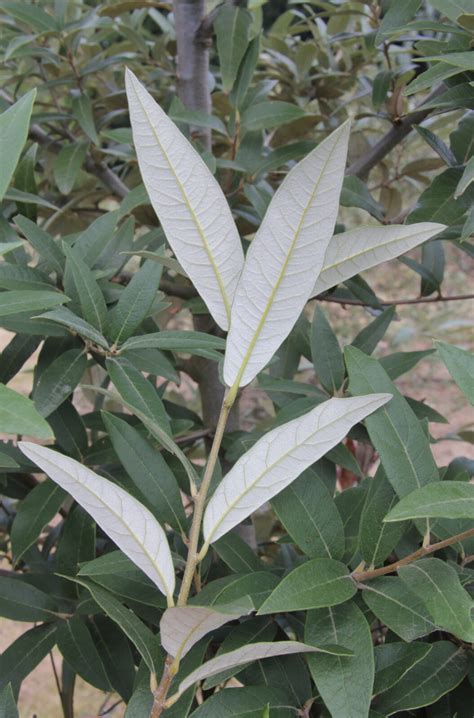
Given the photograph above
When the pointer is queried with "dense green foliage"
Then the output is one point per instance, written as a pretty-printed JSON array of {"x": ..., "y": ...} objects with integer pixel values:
[{"x": 89, "y": 286}]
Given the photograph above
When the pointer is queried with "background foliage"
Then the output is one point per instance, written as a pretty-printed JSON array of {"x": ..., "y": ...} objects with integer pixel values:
[{"x": 292, "y": 72}]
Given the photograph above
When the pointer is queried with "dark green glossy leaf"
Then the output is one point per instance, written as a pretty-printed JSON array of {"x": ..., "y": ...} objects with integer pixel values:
[
  {"x": 77, "y": 647},
  {"x": 39, "y": 507},
  {"x": 24, "y": 654},
  {"x": 59, "y": 380}
]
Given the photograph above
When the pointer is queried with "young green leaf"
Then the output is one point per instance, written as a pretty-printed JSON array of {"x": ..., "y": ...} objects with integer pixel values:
[
  {"x": 127, "y": 522},
  {"x": 183, "y": 626},
  {"x": 135, "y": 302},
  {"x": 439, "y": 587},
  {"x": 441, "y": 670},
  {"x": 188, "y": 201},
  {"x": 283, "y": 259},
  {"x": 317, "y": 583},
  {"x": 344, "y": 683},
  {"x": 396, "y": 432},
  {"x": 350, "y": 253},
  {"x": 18, "y": 415},
  {"x": 14, "y": 125},
  {"x": 443, "y": 499},
  {"x": 460, "y": 364},
  {"x": 280, "y": 457},
  {"x": 326, "y": 353}
]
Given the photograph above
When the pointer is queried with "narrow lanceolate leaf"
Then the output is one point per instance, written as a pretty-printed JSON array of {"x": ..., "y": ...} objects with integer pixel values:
[
  {"x": 18, "y": 415},
  {"x": 317, "y": 583},
  {"x": 188, "y": 201},
  {"x": 246, "y": 654},
  {"x": 135, "y": 302},
  {"x": 232, "y": 29},
  {"x": 83, "y": 289},
  {"x": 396, "y": 432},
  {"x": 352, "y": 252},
  {"x": 127, "y": 522},
  {"x": 280, "y": 457},
  {"x": 443, "y": 499},
  {"x": 35, "y": 511},
  {"x": 8, "y": 707},
  {"x": 460, "y": 364},
  {"x": 30, "y": 300},
  {"x": 284, "y": 258},
  {"x": 377, "y": 539},
  {"x": 24, "y": 654},
  {"x": 75, "y": 324},
  {"x": 183, "y": 626},
  {"x": 14, "y": 124},
  {"x": 59, "y": 380}
]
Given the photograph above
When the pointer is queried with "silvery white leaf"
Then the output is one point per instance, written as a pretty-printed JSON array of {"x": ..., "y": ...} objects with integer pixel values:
[
  {"x": 283, "y": 259},
  {"x": 351, "y": 252},
  {"x": 252, "y": 652},
  {"x": 183, "y": 626},
  {"x": 188, "y": 201},
  {"x": 124, "y": 519},
  {"x": 279, "y": 457}
]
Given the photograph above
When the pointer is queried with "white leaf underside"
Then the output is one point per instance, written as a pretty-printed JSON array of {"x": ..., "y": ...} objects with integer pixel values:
[
  {"x": 352, "y": 252},
  {"x": 183, "y": 626},
  {"x": 124, "y": 519},
  {"x": 246, "y": 654},
  {"x": 189, "y": 203},
  {"x": 280, "y": 457},
  {"x": 284, "y": 257}
]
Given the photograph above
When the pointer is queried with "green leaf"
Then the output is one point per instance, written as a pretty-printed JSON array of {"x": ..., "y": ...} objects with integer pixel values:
[
  {"x": 368, "y": 338},
  {"x": 350, "y": 503},
  {"x": 148, "y": 470},
  {"x": 82, "y": 111},
  {"x": 326, "y": 353},
  {"x": 395, "y": 432},
  {"x": 245, "y": 74},
  {"x": 81, "y": 286},
  {"x": 438, "y": 585},
  {"x": 242, "y": 590},
  {"x": 443, "y": 499},
  {"x": 14, "y": 125},
  {"x": 77, "y": 647},
  {"x": 394, "y": 660},
  {"x": 116, "y": 655},
  {"x": 76, "y": 545},
  {"x": 38, "y": 508},
  {"x": 356, "y": 194},
  {"x": 460, "y": 364},
  {"x": 25, "y": 179},
  {"x": 308, "y": 512},
  {"x": 135, "y": 302},
  {"x": 466, "y": 179},
  {"x": 137, "y": 391},
  {"x": 43, "y": 243},
  {"x": 15, "y": 354},
  {"x": 20, "y": 601},
  {"x": 75, "y": 324},
  {"x": 437, "y": 145},
  {"x": 197, "y": 343},
  {"x": 32, "y": 300},
  {"x": 317, "y": 583},
  {"x": 141, "y": 636},
  {"x": 232, "y": 26},
  {"x": 270, "y": 114},
  {"x": 90, "y": 244},
  {"x": 17, "y": 195},
  {"x": 6, "y": 247},
  {"x": 399, "y": 13},
  {"x": 380, "y": 88},
  {"x": 344, "y": 683},
  {"x": 24, "y": 654},
  {"x": 437, "y": 202},
  {"x": 397, "y": 607},
  {"x": 31, "y": 15},
  {"x": 237, "y": 554},
  {"x": 8, "y": 707},
  {"x": 14, "y": 276},
  {"x": 442, "y": 669},
  {"x": 248, "y": 701},
  {"x": 67, "y": 166},
  {"x": 464, "y": 60},
  {"x": 399, "y": 363},
  {"x": 376, "y": 539},
  {"x": 59, "y": 380},
  {"x": 18, "y": 415}
]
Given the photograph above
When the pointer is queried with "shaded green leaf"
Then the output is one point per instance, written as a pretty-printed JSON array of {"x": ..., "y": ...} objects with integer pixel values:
[
  {"x": 14, "y": 125},
  {"x": 18, "y": 415}
]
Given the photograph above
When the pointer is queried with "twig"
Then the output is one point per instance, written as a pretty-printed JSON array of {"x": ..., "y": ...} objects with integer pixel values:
[
  {"x": 423, "y": 551},
  {"x": 395, "y": 302}
]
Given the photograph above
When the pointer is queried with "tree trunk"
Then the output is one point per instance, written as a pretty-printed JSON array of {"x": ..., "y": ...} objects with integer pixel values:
[{"x": 193, "y": 39}]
